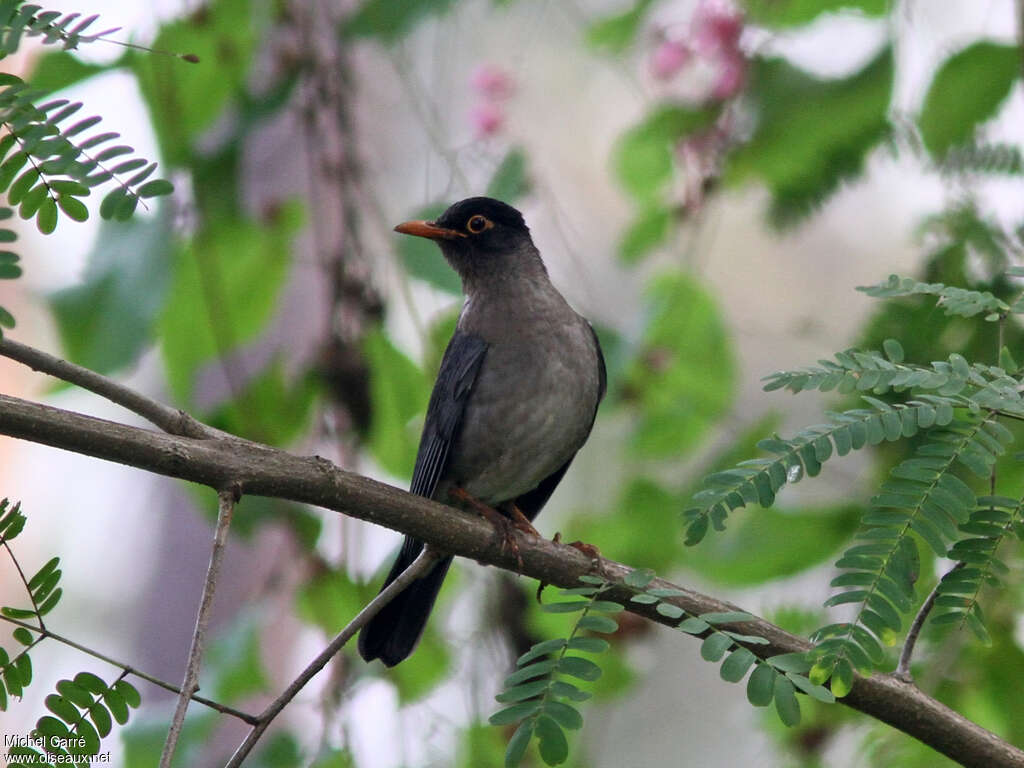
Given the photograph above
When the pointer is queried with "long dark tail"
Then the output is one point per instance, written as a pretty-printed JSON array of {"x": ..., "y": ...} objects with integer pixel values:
[{"x": 392, "y": 634}]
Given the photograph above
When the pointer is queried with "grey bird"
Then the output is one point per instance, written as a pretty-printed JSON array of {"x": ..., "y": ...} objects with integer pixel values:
[{"x": 515, "y": 398}]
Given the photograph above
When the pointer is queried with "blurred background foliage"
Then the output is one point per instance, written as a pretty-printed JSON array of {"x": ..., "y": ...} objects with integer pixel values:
[{"x": 205, "y": 279}]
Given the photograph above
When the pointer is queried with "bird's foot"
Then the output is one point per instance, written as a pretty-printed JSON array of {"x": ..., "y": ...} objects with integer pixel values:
[
  {"x": 503, "y": 526},
  {"x": 519, "y": 520},
  {"x": 590, "y": 550}
]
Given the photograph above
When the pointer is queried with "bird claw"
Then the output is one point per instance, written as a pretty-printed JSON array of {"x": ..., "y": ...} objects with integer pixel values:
[{"x": 503, "y": 526}]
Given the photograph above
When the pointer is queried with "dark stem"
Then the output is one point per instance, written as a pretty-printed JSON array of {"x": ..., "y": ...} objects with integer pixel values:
[
  {"x": 418, "y": 567},
  {"x": 128, "y": 669},
  {"x": 225, "y": 509},
  {"x": 903, "y": 667}
]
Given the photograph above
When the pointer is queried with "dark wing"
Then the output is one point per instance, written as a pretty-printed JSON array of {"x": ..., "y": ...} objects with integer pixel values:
[
  {"x": 459, "y": 368},
  {"x": 531, "y": 502}
]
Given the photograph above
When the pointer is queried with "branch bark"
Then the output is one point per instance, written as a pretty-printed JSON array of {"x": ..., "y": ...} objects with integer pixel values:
[{"x": 264, "y": 471}]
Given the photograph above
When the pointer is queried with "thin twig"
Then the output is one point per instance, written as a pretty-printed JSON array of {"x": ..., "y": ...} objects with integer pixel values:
[
  {"x": 170, "y": 420},
  {"x": 418, "y": 567},
  {"x": 225, "y": 509},
  {"x": 903, "y": 667},
  {"x": 128, "y": 669}
]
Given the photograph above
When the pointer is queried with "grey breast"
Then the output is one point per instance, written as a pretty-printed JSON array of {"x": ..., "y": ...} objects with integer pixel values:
[{"x": 534, "y": 399}]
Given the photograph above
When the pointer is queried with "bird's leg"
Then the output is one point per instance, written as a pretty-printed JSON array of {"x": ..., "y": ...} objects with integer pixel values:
[
  {"x": 519, "y": 520},
  {"x": 502, "y": 525}
]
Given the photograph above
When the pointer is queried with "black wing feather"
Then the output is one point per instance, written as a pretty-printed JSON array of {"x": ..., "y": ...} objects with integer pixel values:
[{"x": 459, "y": 368}]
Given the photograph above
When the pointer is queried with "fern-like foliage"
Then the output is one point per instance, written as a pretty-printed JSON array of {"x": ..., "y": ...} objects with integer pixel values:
[
  {"x": 953, "y": 300},
  {"x": 955, "y": 382},
  {"x": 757, "y": 481},
  {"x": 995, "y": 518},
  {"x": 47, "y": 168},
  {"x": 543, "y": 701},
  {"x": 84, "y": 710},
  {"x": 922, "y": 496},
  {"x": 540, "y": 696},
  {"x": 983, "y": 158},
  {"x": 19, "y": 20},
  {"x": 43, "y": 593}
]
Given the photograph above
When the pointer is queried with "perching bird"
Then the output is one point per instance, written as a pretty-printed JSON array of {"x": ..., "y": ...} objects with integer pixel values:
[{"x": 515, "y": 397}]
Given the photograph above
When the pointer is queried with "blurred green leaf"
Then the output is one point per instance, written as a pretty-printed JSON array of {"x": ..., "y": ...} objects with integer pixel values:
[
  {"x": 224, "y": 290},
  {"x": 107, "y": 320},
  {"x": 280, "y": 751},
  {"x": 811, "y": 134},
  {"x": 966, "y": 91},
  {"x": 510, "y": 181},
  {"x": 388, "y": 20},
  {"x": 683, "y": 378},
  {"x": 785, "y": 542},
  {"x": 56, "y": 70},
  {"x": 617, "y": 32},
  {"x": 651, "y": 227},
  {"x": 269, "y": 407},
  {"x": 234, "y": 662},
  {"x": 399, "y": 392},
  {"x": 643, "y": 155},
  {"x": 422, "y": 258},
  {"x": 792, "y": 13},
  {"x": 641, "y": 529},
  {"x": 184, "y": 99}
]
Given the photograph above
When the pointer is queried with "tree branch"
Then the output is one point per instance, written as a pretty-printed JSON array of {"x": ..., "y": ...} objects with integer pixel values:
[
  {"x": 264, "y": 471},
  {"x": 225, "y": 509},
  {"x": 417, "y": 567},
  {"x": 170, "y": 420}
]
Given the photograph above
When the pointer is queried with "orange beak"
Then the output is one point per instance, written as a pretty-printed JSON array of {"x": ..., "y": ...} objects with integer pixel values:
[{"x": 427, "y": 229}]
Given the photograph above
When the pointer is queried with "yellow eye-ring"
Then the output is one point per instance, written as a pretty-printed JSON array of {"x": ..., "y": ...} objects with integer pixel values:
[{"x": 478, "y": 224}]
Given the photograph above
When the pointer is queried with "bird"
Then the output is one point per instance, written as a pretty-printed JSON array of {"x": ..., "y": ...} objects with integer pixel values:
[{"x": 515, "y": 398}]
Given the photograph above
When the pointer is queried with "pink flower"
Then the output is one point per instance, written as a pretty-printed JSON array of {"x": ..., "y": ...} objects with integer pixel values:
[
  {"x": 668, "y": 58},
  {"x": 732, "y": 70},
  {"x": 487, "y": 118},
  {"x": 716, "y": 27},
  {"x": 492, "y": 83}
]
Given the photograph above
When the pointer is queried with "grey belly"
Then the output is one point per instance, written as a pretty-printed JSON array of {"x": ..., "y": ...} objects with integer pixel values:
[{"x": 528, "y": 414}]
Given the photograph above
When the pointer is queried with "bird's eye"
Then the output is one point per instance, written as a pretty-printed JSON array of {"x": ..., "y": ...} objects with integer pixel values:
[{"x": 478, "y": 224}]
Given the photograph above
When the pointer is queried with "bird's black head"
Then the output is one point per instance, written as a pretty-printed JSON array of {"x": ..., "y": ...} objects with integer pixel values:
[{"x": 482, "y": 238}]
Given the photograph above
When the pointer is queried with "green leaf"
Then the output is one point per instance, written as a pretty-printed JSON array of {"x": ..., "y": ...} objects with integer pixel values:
[
  {"x": 565, "y": 715},
  {"x": 794, "y": 13},
  {"x": 107, "y": 320},
  {"x": 598, "y": 624},
  {"x": 643, "y": 158},
  {"x": 515, "y": 713},
  {"x": 966, "y": 91},
  {"x": 184, "y": 101},
  {"x": 715, "y": 646},
  {"x": 736, "y": 665},
  {"x": 521, "y": 692},
  {"x": 684, "y": 377},
  {"x": 398, "y": 392},
  {"x": 761, "y": 686},
  {"x": 530, "y": 671},
  {"x": 651, "y": 227},
  {"x": 249, "y": 262},
  {"x": 799, "y": 156},
  {"x": 616, "y": 33},
  {"x": 554, "y": 749},
  {"x": 509, "y": 182},
  {"x": 389, "y": 20},
  {"x": 577, "y": 666},
  {"x": 785, "y": 701},
  {"x": 518, "y": 743}
]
